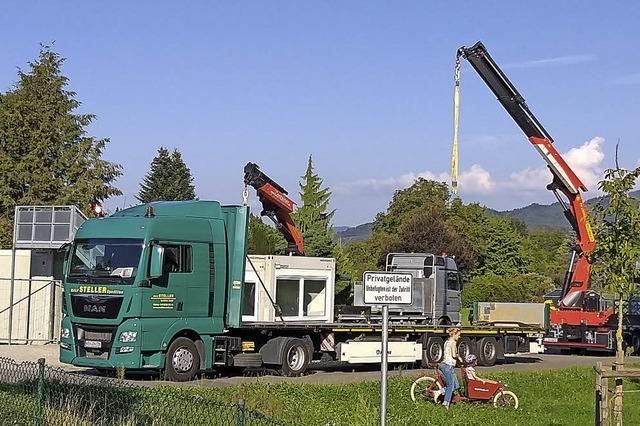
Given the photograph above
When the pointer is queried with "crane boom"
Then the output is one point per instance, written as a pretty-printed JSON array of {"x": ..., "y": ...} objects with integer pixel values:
[
  {"x": 564, "y": 179},
  {"x": 276, "y": 205}
]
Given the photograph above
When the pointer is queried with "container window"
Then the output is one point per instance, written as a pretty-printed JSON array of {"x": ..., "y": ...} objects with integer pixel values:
[
  {"x": 314, "y": 297},
  {"x": 288, "y": 296}
]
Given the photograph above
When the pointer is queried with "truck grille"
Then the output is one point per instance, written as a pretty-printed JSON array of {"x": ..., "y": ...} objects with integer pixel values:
[
  {"x": 94, "y": 333},
  {"x": 96, "y": 305}
]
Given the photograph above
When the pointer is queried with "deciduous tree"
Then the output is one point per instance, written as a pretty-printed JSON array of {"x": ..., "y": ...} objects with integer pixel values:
[
  {"x": 618, "y": 235},
  {"x": 423, "y": 193}
]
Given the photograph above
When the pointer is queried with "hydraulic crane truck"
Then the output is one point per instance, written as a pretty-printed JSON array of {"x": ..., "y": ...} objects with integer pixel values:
[{"x": 582, "y": 320}]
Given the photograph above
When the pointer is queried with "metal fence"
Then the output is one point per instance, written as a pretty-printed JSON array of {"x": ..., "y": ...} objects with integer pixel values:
[
  {"x": 34, "y": 393},
  {"x": 30, "y": 310}
]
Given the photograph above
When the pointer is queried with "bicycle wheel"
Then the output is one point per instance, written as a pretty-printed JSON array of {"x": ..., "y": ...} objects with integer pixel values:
[
  {"x": 423, "y": 387},
  {"x": 505, "y": 399}
]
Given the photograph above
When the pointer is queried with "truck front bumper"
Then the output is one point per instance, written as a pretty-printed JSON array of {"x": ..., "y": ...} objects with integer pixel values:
[{"x": 85, "y": 345}]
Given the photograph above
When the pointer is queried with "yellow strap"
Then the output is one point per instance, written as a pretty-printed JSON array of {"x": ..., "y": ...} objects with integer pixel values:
[{"x": 454, "y": 150}]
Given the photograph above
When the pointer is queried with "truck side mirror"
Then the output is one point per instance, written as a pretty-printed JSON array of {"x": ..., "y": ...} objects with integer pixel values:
[{"x": 157, "y": 259}]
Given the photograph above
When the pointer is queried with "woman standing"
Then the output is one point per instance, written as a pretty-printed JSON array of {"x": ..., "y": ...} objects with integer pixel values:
[{"x": 448, "y": 365}]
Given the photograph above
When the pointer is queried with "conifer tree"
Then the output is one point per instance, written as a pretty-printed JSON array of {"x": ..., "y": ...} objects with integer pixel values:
[
  {"x": 168, "y": 179},
  {"x": 313, "y": 218},
  {"x": 46, "y": 155}
]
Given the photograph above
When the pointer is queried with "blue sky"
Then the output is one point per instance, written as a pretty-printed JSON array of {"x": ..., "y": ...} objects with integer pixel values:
[{"x": 363, "y": 86}]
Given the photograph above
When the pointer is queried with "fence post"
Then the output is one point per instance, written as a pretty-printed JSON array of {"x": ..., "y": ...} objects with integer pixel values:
[
  {"x": 40, "y": 395},
  {"x": 240, "y": 412},
  {"x": 598, "y": 394},
  {"x": 605, "y": 402}
]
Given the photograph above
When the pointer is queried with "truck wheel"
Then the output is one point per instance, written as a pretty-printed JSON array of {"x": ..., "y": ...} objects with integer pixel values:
[
  {"x": 434, "y": 350},
  {"x": 465, "y": 347},
  {"x": 182, "y": 361},
  {"x": 487, "y": 351},
  {"x": 636, "y": 344},
  {"x": 295, "y": 358}
]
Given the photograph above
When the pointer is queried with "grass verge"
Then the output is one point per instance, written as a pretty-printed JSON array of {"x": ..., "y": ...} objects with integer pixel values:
[{"x": 550, "y": 397}]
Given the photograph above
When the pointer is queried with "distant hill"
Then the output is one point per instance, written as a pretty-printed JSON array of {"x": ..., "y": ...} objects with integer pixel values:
[
  {"x": 534, "y": 215},
  {"x": 538, "y": 215},
  {"x": 348, "y": 234},
  {"x": 547, "y": 215}
]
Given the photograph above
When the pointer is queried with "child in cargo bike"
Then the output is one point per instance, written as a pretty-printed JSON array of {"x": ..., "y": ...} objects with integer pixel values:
[
  {"x": 470, "y": 370},
  {"x": 470, "y": 380}
]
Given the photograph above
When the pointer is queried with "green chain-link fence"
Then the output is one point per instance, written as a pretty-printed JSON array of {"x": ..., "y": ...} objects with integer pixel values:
[{"x": 33, "y": 393}]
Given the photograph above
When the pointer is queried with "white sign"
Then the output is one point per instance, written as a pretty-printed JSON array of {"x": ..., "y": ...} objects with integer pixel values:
[{"x": 387, "y": 288}]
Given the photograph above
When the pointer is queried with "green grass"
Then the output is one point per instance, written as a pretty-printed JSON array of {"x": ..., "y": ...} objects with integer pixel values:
[{"x": 558, "y": 397}]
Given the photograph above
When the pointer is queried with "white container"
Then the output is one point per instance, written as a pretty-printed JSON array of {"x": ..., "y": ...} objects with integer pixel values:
[{"x": 303, "y": 288}]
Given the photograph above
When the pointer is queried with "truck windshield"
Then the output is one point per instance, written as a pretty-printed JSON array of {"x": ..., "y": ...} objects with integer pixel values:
[{"x": 106, "y": 261}]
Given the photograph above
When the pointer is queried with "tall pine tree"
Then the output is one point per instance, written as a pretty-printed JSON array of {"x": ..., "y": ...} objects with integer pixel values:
[
  {"x": 313, "y": 218},
  {"x": 169, "y": 179},
  {"x": 46, "y": 155}
]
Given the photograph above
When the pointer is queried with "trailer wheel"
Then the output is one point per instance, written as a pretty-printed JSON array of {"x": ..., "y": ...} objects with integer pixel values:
[
  {"x": 182, "y": 361},
  {"x": 295, "y": 358},
  {"x": 487, "y": 351},
  {"x": 434, "y": 351},
  {"x": 465, "y": 347}
]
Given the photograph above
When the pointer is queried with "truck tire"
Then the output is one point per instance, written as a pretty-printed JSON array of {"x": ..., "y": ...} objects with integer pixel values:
[
  {"x": 182, "y": 361},
  {"x": 487, "y": 351},
  {"x": 295, "y": 358},
  {"x": 465, "y": 347},
  {"x": 434, "y": 350}
]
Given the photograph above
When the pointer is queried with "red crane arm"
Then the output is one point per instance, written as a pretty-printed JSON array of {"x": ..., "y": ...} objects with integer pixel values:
[
  {"x": 564, "y": 181},
  {"x": 276, "y": 205}
]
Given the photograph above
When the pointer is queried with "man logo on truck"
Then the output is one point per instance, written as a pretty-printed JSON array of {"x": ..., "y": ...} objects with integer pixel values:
[{"x": 94, "y": 309}]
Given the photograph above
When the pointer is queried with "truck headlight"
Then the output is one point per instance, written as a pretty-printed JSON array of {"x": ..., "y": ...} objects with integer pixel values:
[
  {"x": 128, "y": 336},
  {"x": 65, "y": 333}
]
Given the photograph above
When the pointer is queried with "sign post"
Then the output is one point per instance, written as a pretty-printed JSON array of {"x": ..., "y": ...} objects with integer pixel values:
[{"x": 383, "y": 289}]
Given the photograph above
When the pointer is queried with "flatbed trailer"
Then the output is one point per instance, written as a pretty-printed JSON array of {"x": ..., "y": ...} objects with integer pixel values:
[{"x": 358, "y": 343}]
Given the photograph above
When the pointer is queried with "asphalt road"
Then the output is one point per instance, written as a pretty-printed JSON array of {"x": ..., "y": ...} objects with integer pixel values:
[{"x": 337, "y": 375}]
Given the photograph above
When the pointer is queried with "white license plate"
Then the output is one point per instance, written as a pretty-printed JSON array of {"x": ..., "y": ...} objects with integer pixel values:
[
  {"x": 550, "y": 339},
  {"x": 92, "y": 344}
]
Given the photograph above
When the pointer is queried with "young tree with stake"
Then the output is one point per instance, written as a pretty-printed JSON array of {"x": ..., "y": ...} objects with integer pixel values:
[{"x": 618, "y": 250}]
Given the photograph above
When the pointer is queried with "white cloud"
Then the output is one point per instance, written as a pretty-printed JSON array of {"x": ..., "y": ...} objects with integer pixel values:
[
  {"x": 553, "y": 62},
  {"x": 585, "y": 160},
  {"x": 474, "y": 180}
]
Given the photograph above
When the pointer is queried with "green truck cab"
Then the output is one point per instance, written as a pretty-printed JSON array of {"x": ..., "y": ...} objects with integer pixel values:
[{"x": 148, "y": 287}]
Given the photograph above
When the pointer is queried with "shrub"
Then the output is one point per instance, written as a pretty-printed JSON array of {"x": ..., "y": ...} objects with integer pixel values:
[{"x": 506, "y": 288}]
